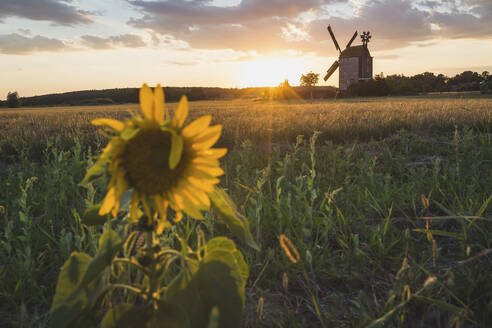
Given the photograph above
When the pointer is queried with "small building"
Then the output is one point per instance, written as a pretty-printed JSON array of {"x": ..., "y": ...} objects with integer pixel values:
[{"x": 355, "y": 65}]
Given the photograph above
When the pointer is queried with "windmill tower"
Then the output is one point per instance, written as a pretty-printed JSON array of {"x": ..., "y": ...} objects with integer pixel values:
[{"x": 355, "y": 62}]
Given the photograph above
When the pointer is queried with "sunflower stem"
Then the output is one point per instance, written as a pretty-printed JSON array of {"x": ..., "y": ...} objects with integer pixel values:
[{"x": 154, "y": 281}]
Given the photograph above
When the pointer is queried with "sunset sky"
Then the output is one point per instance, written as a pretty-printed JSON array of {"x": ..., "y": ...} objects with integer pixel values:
[{"x": 49, "y": 46}]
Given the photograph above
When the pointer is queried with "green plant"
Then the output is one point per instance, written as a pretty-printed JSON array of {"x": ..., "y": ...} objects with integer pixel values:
[{"x": 143, "y": 250}]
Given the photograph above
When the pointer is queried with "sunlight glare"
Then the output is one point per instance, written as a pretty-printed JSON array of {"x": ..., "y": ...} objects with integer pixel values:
[{"x": 271, "y": 71}]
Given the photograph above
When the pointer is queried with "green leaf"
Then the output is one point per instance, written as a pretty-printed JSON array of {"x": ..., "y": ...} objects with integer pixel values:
[
  {"x": 225, "y": 209},
  {"x": 125, "y": 316},
  {"x": 91, "y": 216},
  {"x": 218, "y": 281},
  {"x": 441, "y": 304},
  {"x": 167, "y": 315},
  {"x": 69, "y": 307},
  {"x": 484, "y": 206},
  {"x": 440, "y": 233},
  {"x": 80, "y": 285},
  {"x": 95, "y": 172},
  {"x": 220, "y": 243},
  {"x": 109, "y": 245},
  {"x": 228, "y": 245}
]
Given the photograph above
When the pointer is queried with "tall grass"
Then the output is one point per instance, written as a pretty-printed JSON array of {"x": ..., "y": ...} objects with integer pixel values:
[
  {"x": 265, "y": 123},
  {"x": 355, "y": 209}
]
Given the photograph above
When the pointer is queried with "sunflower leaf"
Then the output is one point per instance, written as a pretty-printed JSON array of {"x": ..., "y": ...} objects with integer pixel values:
[
  {"x": 94, "y": 173},
  {"x": 91, "y": 216},
  {"x": 217, "y": 282},
  {"x": 72, "y": 303},
  {"x": 167, "y": 314},
  {"x": 227, "y": 213},
  {"x": 125, "y": 315}
]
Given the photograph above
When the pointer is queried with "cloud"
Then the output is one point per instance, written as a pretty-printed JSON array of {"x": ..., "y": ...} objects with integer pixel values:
[
  {"x": 16, "y": 44},
  {"x": 116, "y": 41},
  {"x": 393, "y": 24},
  {"x": 267, "y": 26},
  {"x": 58, "y": 12},
  {"x": 250, "y": 25},
  {"x": 24, "y": 31},
  {"x": 182, "y": 62}
]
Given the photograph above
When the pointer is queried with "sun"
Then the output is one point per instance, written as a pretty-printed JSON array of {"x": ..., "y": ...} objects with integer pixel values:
[{"x": 270, "y": 71}]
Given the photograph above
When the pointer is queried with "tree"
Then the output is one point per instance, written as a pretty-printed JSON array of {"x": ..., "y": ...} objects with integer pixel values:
[
  {"x": 13, "y": 99},
  {"x": 485, "y": 75},
  {"x": 309, "y": 80},
  {"x": 285, "y": 84}
]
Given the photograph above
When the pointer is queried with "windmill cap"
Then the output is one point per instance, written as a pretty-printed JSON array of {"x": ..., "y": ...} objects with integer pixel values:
[{"x": 355, "y": 51}]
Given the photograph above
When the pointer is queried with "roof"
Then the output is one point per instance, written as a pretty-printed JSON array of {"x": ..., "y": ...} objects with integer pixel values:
[{"x": 355, "y": 51}]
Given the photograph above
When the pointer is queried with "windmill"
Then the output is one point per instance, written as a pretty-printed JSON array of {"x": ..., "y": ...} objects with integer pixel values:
[{"x": 354, "y": 62}]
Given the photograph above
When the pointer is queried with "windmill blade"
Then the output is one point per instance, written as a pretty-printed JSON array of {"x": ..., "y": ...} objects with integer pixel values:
[
  {"x": 351, "y": 40},
  {"x": 333, "y": 38},
  {"x": 331, "y": 70}
]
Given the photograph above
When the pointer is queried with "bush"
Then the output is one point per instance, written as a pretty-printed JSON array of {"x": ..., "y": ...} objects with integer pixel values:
[
  {"x": 372, "y": 88},
  {"x": 13, "y": 99},
  {"x": 486, "y": 88}
]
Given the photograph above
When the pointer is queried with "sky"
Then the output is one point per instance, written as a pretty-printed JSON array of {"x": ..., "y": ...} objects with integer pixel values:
[{"x": 51, "y": 46}]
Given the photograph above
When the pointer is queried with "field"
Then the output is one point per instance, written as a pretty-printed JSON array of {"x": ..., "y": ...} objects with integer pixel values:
[{"x": 348, "y": 181}]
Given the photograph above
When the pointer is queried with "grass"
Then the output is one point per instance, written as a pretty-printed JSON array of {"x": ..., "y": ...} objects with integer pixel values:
[{"x": 351, "y": 198}]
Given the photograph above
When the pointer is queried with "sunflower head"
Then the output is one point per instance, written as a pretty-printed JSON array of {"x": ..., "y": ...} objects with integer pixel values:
[{"x": 162, "y": 162}]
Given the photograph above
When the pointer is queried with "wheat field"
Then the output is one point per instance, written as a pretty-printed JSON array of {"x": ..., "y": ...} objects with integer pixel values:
[{"x": 274, "y": 122}]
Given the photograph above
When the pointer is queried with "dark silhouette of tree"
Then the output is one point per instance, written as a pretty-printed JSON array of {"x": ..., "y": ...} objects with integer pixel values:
[
  {"x": 285, "y": 84},
  {"x": 13, "y": 99},
  {"x": 309, "y": 80},
  {"x": 485, "y": 75}
]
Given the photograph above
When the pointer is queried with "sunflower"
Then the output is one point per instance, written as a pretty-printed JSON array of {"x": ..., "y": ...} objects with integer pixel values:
[{"x": 162, "y": 162}]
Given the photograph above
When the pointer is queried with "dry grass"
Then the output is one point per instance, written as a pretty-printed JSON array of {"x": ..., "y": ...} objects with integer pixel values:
[{"x": 272, "y": 122}]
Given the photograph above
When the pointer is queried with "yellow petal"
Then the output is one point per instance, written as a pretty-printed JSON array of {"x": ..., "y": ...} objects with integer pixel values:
[
  {"x": 200, "y": 174},
  {"x": 121, "y": 183},
  {"x": 179, "y": 217},
  {"x": 203, "y": 184},
  {"x": 146, "y": 101},
  {"x": 213, "y": 152},
  {"x": 146, "y": 209},
  {"x": 213, "y": 171},
  {"x": 108, "y": 202},
  {"x": 134, "y": 206},
  {"x": 199, "y": 195},
  {"x": 176, "y": 150},
  {"x": 207, "y": 138},
  {"x": 181, "y": 112},
  {"x": 187, "y": 205},
  {"x": 197, "y": 126},
  {"x": 159, "y": 104},
  {"x": 116, "y": 207},
  {"x": 206, "y": 161},
  {"x": 116, "y": 125},
  {"x": 159, "y": 205}
]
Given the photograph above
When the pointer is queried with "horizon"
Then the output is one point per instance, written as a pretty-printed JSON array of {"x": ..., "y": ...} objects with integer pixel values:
[
  {"x": 175, "y": 86},
  {"x": 54, "y": 46}
]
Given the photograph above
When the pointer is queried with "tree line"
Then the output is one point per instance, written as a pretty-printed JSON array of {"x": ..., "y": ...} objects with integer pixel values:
[
  {"x": 421, "y": 83},
  {"x": 379, "y": 86},
  {"x": 115, "y": 96}
]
